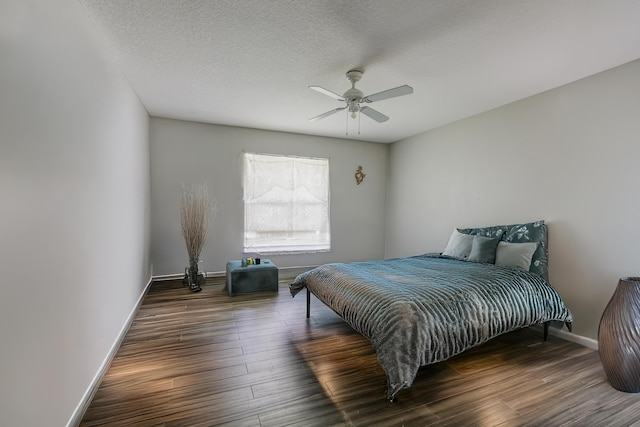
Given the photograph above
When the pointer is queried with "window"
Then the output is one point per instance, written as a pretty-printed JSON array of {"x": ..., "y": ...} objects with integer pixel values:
[{"x": 286, "y": 204}]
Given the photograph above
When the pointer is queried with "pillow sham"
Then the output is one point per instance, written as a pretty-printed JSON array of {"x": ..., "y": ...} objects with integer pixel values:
[
  {"x": 459, "y": 245},
  {"x": 483, "y": 249},
  {"x": 515, "y": 254}
]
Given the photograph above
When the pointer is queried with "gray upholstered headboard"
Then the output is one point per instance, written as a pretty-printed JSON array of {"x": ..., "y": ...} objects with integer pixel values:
[{"x": 521, "y": 233}]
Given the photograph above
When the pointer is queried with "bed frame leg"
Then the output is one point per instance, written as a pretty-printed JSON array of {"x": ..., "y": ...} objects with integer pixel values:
[
  {"x": 308, "y": 303},
  {"x": 545, "y": 335},
  {"x": 569, "y": 326}
]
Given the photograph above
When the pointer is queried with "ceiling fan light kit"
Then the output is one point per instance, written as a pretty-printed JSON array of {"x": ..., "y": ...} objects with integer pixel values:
[{"x": 353, "y": 97}]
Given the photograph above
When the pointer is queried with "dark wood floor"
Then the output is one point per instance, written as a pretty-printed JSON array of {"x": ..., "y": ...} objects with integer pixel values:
[{"x": 205, "y": 359}]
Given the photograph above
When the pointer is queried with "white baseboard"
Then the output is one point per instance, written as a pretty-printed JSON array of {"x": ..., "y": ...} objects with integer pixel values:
[
  {"x": 578, "y": 339},
  {"x": 284, "y": 273},
  {"x": 177, "y": 276},
  {"x": 292, "y": 272},
  {"x": 84, "y": 403}
]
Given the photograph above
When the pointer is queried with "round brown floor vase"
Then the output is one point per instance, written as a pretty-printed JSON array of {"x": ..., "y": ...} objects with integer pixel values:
[{"x": 619, "y": 336}]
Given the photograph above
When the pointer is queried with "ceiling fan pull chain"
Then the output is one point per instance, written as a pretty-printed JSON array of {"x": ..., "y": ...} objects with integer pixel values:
[
  {"x": 359, "y": 115},
  {"x": 346, "y": 126}
]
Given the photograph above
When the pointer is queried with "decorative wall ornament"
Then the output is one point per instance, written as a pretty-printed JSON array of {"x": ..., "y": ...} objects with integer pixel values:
[{"x": 360, "y": 175}]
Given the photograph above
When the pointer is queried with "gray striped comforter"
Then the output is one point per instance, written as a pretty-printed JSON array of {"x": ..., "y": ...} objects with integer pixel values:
[{"x": 426, "y": 309}]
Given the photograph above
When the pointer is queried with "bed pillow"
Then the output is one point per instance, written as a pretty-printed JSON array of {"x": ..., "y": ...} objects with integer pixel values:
[
  {"x": 532, "y": 232},
  {"x": 515, "y": 254},
  {"x": 459, "y": 245},
  {"x": 483, "y": 249}
]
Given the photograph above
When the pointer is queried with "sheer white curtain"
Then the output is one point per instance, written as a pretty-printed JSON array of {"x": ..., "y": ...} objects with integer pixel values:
[{"x": 286, "y": 204}]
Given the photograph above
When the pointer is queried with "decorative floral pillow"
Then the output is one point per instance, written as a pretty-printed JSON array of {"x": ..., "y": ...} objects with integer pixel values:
[{"x": 520, "y": 233}]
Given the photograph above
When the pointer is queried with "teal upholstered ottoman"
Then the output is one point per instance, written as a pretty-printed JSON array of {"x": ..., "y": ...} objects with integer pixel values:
[{"x": 252, "y": 278}]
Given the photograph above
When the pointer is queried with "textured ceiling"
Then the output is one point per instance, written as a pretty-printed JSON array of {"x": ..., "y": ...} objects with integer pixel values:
[{"x": 249, "y": 62}]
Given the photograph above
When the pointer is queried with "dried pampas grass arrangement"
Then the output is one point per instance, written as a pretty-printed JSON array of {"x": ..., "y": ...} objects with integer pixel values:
[{"x": 197, "y": 211}]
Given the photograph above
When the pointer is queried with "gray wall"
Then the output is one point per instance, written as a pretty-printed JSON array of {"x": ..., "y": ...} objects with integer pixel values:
[
  {"x": 74, "y": 185},
  {"x": 195, "y": 153},
  {"x": 566, "y": 156}
]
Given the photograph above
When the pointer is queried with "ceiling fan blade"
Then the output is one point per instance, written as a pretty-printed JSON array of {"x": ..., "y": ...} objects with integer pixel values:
[
  {"x": 327, "y": 92},
  {"x": 328, "y": 113},
  {"x": 374, "y": 114},
  {"x": 390, "y": 93}
]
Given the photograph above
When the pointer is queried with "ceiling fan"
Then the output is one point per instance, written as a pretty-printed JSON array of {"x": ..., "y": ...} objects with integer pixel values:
[{"x": 354, "y": 97}]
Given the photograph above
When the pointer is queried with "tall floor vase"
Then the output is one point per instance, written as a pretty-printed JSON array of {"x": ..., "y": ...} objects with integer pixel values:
[
  {"x": 192, "y": 277},
  {"x": 619, "y": 336}
]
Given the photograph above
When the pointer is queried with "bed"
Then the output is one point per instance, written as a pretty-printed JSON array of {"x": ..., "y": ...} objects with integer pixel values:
[{"x": 425, "y": 309}]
